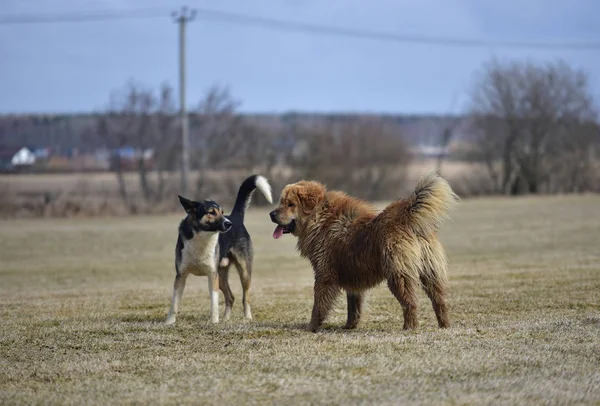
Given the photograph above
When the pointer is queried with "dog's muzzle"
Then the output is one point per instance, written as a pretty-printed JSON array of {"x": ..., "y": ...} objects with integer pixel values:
[
  {"x": 273, "y": 216},
  {"x": 281, "y": 229}
]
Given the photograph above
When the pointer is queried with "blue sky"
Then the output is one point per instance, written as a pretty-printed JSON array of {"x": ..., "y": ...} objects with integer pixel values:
[{"x": 67, "y": 67}]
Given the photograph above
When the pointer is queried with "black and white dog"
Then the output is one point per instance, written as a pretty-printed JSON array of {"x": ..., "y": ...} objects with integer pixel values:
[{"x": 209, "y": 242}]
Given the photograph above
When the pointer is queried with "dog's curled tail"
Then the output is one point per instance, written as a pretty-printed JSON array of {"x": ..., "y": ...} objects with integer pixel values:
[
  {"x": 247, "y": 188},
  {"x": 429, "y": 205}
]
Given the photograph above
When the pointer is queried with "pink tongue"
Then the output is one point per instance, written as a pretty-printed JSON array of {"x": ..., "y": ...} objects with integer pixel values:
[{"x": 278, "y": 233}]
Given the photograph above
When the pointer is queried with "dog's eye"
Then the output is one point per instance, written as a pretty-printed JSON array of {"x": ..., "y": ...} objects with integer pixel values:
[{"x": 290, "y": 204}]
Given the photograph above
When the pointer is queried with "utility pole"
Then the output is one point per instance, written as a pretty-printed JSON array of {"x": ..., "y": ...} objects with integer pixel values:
[{"x": 182, "y": 18}]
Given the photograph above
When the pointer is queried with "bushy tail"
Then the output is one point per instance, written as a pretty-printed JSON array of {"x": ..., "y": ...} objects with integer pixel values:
[
  {"x": 429, "y": 205},
  {"x": 246, "y": 191}
]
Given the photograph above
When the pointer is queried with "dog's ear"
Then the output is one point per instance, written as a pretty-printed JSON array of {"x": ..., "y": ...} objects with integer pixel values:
[
  {"x": 310, "y": 194},
  {"x": 188, "y": 205}
]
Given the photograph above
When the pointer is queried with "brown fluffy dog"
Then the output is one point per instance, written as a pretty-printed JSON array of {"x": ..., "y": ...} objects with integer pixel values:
[{"x": 353, "y": 248}]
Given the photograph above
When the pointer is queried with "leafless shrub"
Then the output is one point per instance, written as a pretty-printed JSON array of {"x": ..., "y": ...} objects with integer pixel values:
[
  {"x": 473, "y": 184},
  {"x": 534, "y": 126},
  {"x": 364, "y": 157}
]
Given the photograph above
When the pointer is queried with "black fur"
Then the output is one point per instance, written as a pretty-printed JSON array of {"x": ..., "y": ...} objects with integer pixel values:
[
  {"x": 179, "y": 248},
  {"x": 244, "y": 196},
  {"x": 234, "y": 243},
  {"x": 238, "y": 237}
]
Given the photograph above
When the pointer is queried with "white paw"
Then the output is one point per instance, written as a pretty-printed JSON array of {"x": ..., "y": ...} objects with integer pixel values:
[{"x": 169, "y": 321}]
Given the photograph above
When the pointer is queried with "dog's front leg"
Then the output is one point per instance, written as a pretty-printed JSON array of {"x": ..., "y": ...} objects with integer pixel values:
[
  {"x": 325, "y": 295},
  {"x": 178, "y": 287},
  {"x": 355, "y": 305},
  {"x": 213, "y": 288}
]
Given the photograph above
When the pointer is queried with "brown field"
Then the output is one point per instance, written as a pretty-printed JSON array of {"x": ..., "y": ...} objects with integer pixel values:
[
  {"x": 83, "y": 301},
  {"x": 104, "y": 183},
  {"x": 97, "y": 194}
]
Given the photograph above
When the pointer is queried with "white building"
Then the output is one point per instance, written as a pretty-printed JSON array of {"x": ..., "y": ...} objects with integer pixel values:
[
  {"x": 23, "y": 157},
  {"x": 12, "y": 158}
]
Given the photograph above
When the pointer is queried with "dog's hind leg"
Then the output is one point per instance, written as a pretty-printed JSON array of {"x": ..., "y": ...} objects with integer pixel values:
[
  {"x": 405, "y": 290},
  {"x": 178, "y": 287},
  {"x": 224, "y": 286},
  {"x": 355, "y": 304},
  {"x": 213, "y": 288},
  {"x": 244, "y": 268},
  {"x": 434, "y": 280},
  {"x": 436, "y": 291}
]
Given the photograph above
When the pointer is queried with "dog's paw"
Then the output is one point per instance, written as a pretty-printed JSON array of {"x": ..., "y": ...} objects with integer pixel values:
[
  {"x": 170, "y": 321},
  {"x": 313, "y": 329},
  {"x": 349, "y": 326}
]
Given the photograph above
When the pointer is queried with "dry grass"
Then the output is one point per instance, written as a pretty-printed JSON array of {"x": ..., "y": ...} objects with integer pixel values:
[
  {"x": 97, "y": 194},
  {"x": 83, "y": 302},
  {"x": 105, "y": 183}
]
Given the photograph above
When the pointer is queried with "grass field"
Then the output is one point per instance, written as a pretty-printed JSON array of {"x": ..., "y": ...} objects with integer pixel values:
[
  {"x": 105, "y": 183},
  {"x": 83, "y": 301}
]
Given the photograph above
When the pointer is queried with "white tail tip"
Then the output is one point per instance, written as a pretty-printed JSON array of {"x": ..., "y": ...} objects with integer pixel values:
[{"x": 263, "y": 185}]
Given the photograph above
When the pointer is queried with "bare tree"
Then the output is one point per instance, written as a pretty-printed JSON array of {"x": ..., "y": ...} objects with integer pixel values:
[
  {"x": 445, "y": 139},
  {"x": 522, "y": 114},
  {"x": 165, "y": 141},
  {"x": 114, "y": 135},
  {"x": 223, "y": 139},
  {"x": 139, "y": 119},
  {"x": 216, "y": 129}
]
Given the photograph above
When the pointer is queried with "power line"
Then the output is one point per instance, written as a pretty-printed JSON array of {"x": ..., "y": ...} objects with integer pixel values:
[
  {"x": 78, "y": 17},
  {"x": 287, "y": 25},
  {"x": 297, "y": 26}
]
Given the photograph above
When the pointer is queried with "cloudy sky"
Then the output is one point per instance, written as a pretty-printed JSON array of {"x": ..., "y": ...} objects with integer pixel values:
[{"x": 66, "y": 67}]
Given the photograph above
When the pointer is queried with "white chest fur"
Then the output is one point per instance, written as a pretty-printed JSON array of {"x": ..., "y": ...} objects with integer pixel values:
[{"x": 198, "y": 255}]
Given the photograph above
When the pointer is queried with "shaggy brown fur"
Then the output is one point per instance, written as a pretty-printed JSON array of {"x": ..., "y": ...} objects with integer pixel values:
[{"x": 353, "y": 248}]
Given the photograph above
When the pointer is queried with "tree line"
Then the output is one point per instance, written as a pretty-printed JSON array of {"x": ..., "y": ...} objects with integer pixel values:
[{"x": 532, "y": 127}]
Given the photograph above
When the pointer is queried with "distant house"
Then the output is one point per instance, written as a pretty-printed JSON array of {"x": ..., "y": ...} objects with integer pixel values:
[
  {"x": 429, "y": 151},
  {"x": 16, "y": 158},
  {"x": 126, "y": 158},
  {"x": 132, "y": 153},
  {"x": 41, "y": 153}
]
